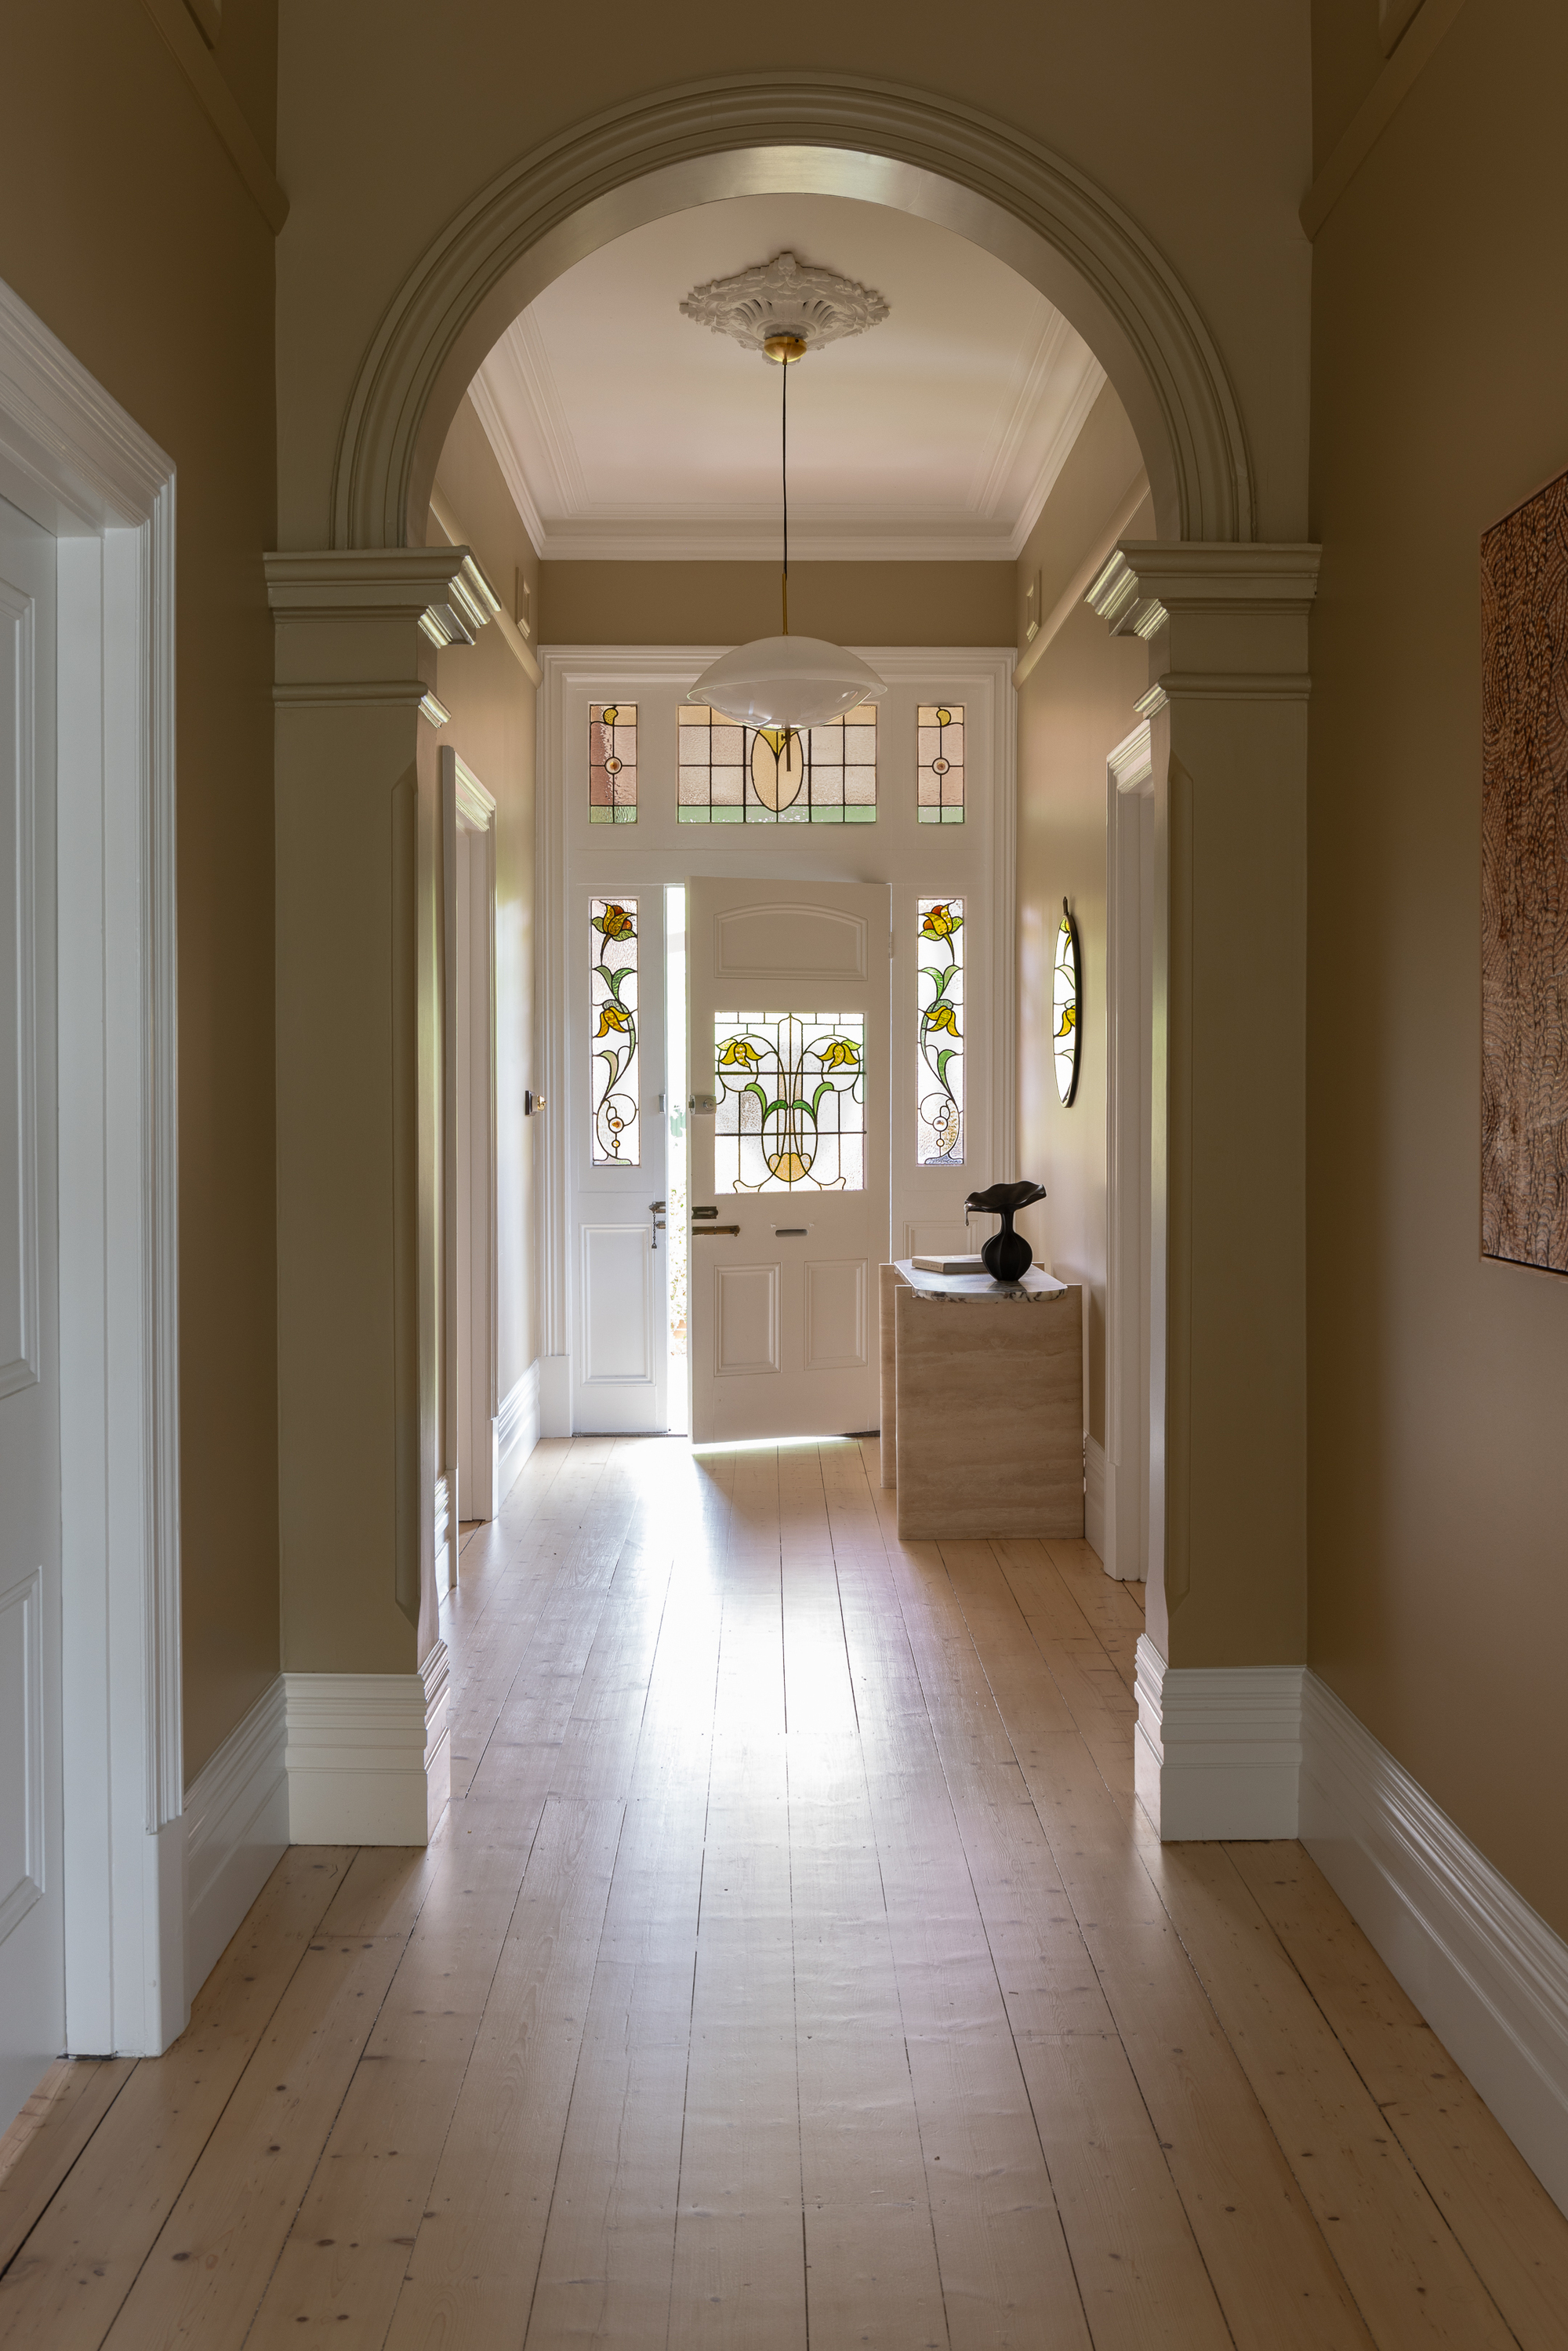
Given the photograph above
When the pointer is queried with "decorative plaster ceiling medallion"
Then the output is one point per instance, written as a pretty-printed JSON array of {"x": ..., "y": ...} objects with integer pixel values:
[{"x": 785, "y": 298}]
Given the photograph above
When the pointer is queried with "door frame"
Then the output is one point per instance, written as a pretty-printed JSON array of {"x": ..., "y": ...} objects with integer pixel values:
[
  {"x": 1129, "y": 1184},
  {"x": 72, "y": 459},
  {"x": 632, "y": 668},
  {"x": 465, "y": 807}
]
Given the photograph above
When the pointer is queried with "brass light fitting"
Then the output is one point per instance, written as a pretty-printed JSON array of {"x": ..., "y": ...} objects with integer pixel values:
[{"x": 785, "y": 349}]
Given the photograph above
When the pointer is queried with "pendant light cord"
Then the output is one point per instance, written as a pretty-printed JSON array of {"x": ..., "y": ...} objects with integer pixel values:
[{"x": 784, "y": 471}]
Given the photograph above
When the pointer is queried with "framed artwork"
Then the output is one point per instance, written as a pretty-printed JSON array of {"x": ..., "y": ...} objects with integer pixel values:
[{"x": 1524, "y": 884}]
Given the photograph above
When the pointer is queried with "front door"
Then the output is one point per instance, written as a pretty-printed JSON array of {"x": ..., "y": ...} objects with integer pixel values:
[
  {"x": 32, "y": 1914},
  {"x": 789, "y": 1078}
]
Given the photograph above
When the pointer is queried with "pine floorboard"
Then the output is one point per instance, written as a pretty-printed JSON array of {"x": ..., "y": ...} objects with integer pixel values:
[{"x": 793, "y": 1970}]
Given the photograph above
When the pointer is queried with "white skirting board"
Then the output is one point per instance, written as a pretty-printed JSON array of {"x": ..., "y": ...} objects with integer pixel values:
[
  {"x": 1094, "y": 1496},
  {"x": 1271, "y": 1752},
  {"x": 369, "y": 1755},
  {"x": 554, "y": 1394},
  {"x": 516, "y": 1430},
  {"x": 236, "y": 1832}
]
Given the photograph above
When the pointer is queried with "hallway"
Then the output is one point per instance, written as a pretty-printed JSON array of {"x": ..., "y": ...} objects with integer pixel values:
[{"x": 793, "y": 1965}]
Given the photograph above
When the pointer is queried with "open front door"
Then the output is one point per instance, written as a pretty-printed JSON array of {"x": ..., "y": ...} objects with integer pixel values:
[{"x": 788, "y": 990}]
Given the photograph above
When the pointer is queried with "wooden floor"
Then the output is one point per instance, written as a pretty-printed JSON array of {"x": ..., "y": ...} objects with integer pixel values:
[{"x": 793, "y": 1968}]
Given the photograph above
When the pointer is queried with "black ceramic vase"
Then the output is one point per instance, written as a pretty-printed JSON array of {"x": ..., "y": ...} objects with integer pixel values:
[{"x": 1007, "y": 1256}]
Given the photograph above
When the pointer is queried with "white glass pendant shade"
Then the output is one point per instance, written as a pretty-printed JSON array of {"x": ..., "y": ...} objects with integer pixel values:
[{"x": 788, "y": 682}]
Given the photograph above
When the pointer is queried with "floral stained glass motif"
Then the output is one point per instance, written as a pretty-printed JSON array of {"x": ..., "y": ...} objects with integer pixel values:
[
  {"x": 790, "y": 1113},
  {"x": 614, "y": 1014},
  {"x": 939, "y": 1045},
  {"x": 940, "y": 745},
  {"x": 612, "y": 763},
  {"x": 1064, "y": 1008},
  {"x": 768, "y": 774}
]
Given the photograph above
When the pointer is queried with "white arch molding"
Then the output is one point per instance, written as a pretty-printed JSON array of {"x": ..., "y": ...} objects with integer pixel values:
[{"x": 783, "y": 133}]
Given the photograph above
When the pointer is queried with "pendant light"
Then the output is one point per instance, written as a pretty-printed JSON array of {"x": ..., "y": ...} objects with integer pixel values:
[{"x": 786, "y": 682}]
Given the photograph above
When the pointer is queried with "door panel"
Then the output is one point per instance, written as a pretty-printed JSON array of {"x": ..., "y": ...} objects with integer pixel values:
[
  {"x": 788, "y": 1047},
  {"x": 32, "y": 1947},
  {"x": 617, "y": 1303}
]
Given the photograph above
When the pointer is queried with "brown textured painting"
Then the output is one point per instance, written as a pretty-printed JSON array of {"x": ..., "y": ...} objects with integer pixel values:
[{"x": 1524, "y": 884}]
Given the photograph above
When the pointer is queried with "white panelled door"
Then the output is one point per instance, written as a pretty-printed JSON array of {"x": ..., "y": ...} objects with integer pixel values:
[
  {"x": 620, "y": 1251},
  {"x": 32, "y": 1918},
  {"x": 789, "y": 1061}
]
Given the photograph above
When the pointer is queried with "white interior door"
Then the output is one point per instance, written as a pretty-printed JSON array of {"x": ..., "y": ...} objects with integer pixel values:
[
  {"x": 469, "y": 1149},
  {"x": 616, "y": 1106},
  {"x": 789, "y": 1061},
  {"x": 32, "y": 1921}
]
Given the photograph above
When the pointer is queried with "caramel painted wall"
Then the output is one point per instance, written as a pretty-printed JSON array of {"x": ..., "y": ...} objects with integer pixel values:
[
  {"x": 492, "y": 702},
  {"x": 1074, "y": 707},
  {"x": 727, "y": 603},
  {"x": 125, "y": 226},
  {"x": 1439, "y": 1483},
  {"x": 1196, "y": 119}
]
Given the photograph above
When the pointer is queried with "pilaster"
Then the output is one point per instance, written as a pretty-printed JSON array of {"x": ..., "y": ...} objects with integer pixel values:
[
  {"x": 357, "y": 960},
  {"x": 1226, "y": 625}
]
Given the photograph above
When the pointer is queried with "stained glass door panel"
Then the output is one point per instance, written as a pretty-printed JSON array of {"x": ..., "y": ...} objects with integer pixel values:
[{"x": 788, "y": 1141}]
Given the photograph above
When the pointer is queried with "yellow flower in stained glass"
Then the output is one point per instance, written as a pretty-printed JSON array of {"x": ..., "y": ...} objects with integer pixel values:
[
  {"x": 1068, "y": 1019},
  {"x": 838, "y": 1054},
  {"x": 611, "y": 1016},
  {"x": 943, "y": 1016},
  {"x": 941, "y": 923},
  {"x": 615, "y": 922},
  {"x": 739, "y": 1054}
]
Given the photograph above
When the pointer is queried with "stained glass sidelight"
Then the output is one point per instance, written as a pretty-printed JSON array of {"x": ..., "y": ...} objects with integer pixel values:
[
  {"x": 939, "y": 784},
  {"x": 1064, "y": 1007},
  {"x": 939, "y": 1046},
  {"x": 764, "y": 775},
  {"x": 614, "y": 1083},
  {"x": 790, "y": 1113},
  {"x": 612, "y": 763}
]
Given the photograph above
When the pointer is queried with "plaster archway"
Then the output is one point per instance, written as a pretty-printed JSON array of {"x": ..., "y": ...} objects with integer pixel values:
[{"x": 766, "y": 134}]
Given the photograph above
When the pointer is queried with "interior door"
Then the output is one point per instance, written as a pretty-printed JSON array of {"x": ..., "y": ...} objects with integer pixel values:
[
  {"x": 788, "y": 1047},
  {"x": 32, "y": 1917},
  {"x": 616, "y": 998}
]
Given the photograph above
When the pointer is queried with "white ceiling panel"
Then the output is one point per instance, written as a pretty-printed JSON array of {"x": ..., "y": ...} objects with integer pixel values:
[{"x": 625, "y": 429}]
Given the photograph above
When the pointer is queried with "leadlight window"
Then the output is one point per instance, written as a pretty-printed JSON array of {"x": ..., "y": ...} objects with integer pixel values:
[
  {"x": 612, "y": 763},
  {"x": 939, "y": 783},
  {"x": 790, "y": 1111},
  {"x": 939, "y": 1047},
  {"x": 614, "y": 1081},
  {"x": 765, "y": 774}
]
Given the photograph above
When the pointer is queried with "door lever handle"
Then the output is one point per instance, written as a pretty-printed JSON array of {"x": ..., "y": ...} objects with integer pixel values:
[{"x": 657, "y": 1209}]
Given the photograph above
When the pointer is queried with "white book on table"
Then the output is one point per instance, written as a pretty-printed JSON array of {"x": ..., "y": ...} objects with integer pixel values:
[{"x": 948, "y": 1264}]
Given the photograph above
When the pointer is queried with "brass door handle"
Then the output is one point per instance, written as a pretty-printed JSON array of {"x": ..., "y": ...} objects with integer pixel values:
[{"x": 700, "y": 1232}]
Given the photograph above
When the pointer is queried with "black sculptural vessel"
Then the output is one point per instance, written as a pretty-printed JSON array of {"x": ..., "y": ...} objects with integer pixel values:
[{"x": 1007, "y": 1256}]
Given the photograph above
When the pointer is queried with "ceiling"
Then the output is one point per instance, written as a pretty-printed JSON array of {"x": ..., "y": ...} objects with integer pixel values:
[{"x": 626, "y": 431}]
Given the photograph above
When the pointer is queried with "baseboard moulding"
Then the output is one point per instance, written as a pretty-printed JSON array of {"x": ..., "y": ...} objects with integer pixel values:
[
  {"x": 1264, "y": 1752},
  {"x": 237, "y": 1827},
  {"x": 1095, "y": 1496},
  {"x": 554, "y": 1394},
  {"x": 369, "y": 1755}
]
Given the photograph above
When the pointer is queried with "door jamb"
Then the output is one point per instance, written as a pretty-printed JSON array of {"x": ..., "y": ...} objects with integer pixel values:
[
  {"x": 72, "y": 459},
  {"x": 1129, "y": 779},
  {"x": 465, "y": 807}
]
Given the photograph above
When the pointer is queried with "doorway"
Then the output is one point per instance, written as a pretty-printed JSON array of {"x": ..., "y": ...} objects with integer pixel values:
[
  {"x": 1132, "y": 898},
  {"x": 467, "y": 1492},
  {"x": 613, "y": 1179}
]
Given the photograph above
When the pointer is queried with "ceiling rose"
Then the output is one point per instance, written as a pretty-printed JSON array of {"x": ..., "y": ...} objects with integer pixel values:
[{"x": 785, "y": 298}]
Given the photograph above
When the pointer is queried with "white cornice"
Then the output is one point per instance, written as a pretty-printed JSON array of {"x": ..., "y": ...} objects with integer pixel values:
[
  {"x": 961, "y": 542},
  {"x": 995, "y": 462},
  {"x": 1075, "y": 416},
  {"x": 506, "y": 457}
]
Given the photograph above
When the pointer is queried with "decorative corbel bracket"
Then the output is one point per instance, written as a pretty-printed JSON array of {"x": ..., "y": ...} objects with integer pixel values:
[
  {"x": 1231, "y": 615},
  {"x": 438, "y": 592}
]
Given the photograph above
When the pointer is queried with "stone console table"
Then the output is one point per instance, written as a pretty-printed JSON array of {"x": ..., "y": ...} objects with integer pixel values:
[{"x": 982, "y": 1404}]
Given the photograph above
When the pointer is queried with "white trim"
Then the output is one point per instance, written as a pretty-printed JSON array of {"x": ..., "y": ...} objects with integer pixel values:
[
  {"x": 1272, "y": 1751},
  {"x": 494, "y": 429},
  {"x": 465, "y": 807},
  {"x": 516, "y": 1430},
  {"x": 1486, "y": 1972},
  {"x": 236, "y": 1830},
  {"x": 1129, "y": 1010},
  {"x": 555, "y": 1395},
  {"x": 935, "y": 538},
  {"x": 1094, "y": 1476},
  {"x": 368, "y": 1755},
  {"x": 73, "y": 459},
  {"x": 1217, "y": 1750}
]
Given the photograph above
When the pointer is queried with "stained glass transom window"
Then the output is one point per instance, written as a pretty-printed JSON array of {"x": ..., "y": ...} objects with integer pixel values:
[
  {"x": 763, "y": 775},
  {"x": 612, "y": 763},
  {"x": 939, "y": 741},
  {"x": 790, "y": 1113},
  {"x": 613, "y": 1083},
  {"x": 939, "y": 1044}
]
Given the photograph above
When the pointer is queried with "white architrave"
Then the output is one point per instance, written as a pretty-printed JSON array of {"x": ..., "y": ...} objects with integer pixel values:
[
  {"x": 465, "y": 807},
  {"x": 72, "y": 458},
  {"x": 1129, "y": 774},
  {"x": 753, "y": 134}
]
